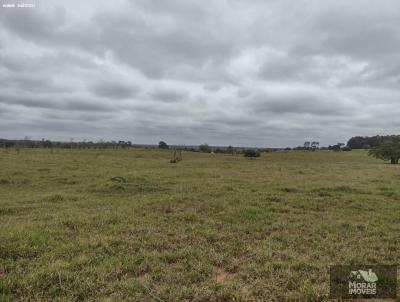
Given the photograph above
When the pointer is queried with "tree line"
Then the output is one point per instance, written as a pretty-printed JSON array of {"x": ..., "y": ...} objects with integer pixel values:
[
  {"x": 368, "y": 142},
  {"x": 205, "y": 148},
  {"x": 45, "y": 143},
  {"x": 381, "y": 147}
]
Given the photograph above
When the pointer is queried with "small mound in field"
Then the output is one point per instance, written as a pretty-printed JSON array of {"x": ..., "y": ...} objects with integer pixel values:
[
  {"x": 8, "y": 211},
  {"x": 4, "y": 181},
  {"x": 66, "y": 181},
  {"x": 273, "y": 198},
  {"x": 115, "y": 188},
  {"x": 348, "y": 189},
  {"x": 221, "y": 276},
  {"x": 388, "y": 193},
  {"x": 130, "y": 184},
  {"x": 291, "y": 190},
  {"x": 327, "y": 191},
  {"x": 14, "y": 181},
  {"x": 118, "y": 179},
  {"x": 54, "y": 198}
]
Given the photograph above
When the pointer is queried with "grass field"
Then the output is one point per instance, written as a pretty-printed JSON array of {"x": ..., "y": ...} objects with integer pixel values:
[{"x": 210, "y": 228}]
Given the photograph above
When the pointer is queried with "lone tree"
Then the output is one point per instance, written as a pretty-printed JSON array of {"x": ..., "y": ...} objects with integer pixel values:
[
  {"x": 314, "y": 146},
  {"x": 163, "y": 145},
  {"x": 388, "y": 150},
  {"x": 205, "y": 148}
]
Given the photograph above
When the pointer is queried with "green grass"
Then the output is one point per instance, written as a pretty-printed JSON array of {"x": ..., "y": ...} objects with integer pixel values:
[{"x": 210, "y": 228}]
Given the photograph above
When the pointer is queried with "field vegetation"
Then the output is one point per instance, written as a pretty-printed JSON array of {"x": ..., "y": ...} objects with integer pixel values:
[{"x": 115, "y": 225}]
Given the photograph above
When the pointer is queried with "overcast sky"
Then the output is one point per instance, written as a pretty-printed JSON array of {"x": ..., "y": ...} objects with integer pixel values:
[{"x": 246, "y": 73}]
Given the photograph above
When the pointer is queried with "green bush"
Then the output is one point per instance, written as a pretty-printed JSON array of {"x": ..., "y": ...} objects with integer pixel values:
[{"x": 251, "y": 153}]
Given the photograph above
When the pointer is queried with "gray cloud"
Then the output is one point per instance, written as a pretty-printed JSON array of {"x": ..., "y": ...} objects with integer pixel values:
[
  {"x": 169, "y": 94},
  {"x": 61, "y": 103},
  {"x": 114, "y": 89},
  {"x": 304, "y": 102},
  {"x": 268, "y": 73}
]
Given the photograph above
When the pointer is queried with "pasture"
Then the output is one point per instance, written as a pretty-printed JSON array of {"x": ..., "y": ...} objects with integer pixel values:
[{"x": 127, "y": 225}]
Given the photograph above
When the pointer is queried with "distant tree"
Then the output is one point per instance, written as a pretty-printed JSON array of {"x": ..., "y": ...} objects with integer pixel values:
[
  {"x": 307, "y": 145},
  {"x": 163, "y": 145},
  {"x": 205, "y": 148},
  {"x": 337, "y": 147},
  {"x": 251, "y": 153},
  {"x": 230, "y": 150},
  {"x": 47, "y": 143},
  {"x": 388, "y": 150},
  {"x": 314, "y": 145}
]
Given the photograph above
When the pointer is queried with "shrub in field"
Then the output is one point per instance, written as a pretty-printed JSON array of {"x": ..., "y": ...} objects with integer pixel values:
[
  {"x": 251, "y": 153},
  {"x": 176, "y": 156},
  {"x": 339, "y": 147},
  {"x": 54, "y": 198},
  {"x": 205, "y": 148}
]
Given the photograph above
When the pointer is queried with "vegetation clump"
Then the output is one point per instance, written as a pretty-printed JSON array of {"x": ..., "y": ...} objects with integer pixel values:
[
  {"x": 251, "y": 153},
  {"x": 205, "y": 148},
  {"x": 367, "y": 142},
  {"x": 311, "y": 146},
  {"x": 119, "y": 179},
  {"x": 176, "y": 156},
  {"x": 54, "y": 198},
  {"x": 163, "y": 145},
  {"x": 388, "y": 150}
]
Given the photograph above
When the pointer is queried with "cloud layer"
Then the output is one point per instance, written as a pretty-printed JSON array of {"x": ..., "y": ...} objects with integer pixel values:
[{"x": 251, "y": 73}]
